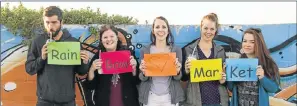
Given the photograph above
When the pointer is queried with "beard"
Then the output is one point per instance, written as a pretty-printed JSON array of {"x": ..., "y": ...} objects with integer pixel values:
[{"x": 55, "y": 33}]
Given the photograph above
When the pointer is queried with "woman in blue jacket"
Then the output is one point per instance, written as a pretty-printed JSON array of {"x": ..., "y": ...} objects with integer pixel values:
[{"x": 249, "y": 93}]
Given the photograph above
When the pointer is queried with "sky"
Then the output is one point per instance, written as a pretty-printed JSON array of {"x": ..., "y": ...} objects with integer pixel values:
[{"x": 188, "y": 13}]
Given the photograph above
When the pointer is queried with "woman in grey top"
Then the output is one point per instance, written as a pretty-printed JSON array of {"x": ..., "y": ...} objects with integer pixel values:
[{"x": 161, "y": 90}]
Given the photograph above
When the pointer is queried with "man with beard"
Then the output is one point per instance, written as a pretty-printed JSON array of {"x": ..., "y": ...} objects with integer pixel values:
[{"x": 55, "y": 83}]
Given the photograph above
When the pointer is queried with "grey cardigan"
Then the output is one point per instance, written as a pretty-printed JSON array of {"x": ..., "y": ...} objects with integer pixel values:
[
  {"x": 193, "y": 95},
  {"x": 175, "y": 88}
]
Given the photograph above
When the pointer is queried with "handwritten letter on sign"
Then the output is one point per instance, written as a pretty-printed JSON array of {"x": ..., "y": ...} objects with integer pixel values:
[
  {"x": 241, "y": 69},
  {"x": 64, "y": 53},
  {"x": 116, "y": 62},
  {"x": 161, "y": 64},
  {"x": 206, "y": 70}
]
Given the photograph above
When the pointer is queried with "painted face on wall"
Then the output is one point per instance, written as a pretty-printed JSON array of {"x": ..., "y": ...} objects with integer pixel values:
[
  {"x": 208, "y": 30},
  {"x": 160, "y": 30},
  {"x": 109, "y": 40}
]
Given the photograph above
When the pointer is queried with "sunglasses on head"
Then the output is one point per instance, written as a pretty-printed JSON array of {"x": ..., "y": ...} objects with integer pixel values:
[{"x": 258, "y": 30}]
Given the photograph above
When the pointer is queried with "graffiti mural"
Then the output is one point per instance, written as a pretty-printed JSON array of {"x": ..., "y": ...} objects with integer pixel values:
[{"x": 19, "y": 88}]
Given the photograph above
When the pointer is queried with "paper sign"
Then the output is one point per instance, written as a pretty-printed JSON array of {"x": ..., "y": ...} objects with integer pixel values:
[
  {"x": 206, "y": 70},
  {"x": 241, "y": 69},
  {"x": 160, "y": 64},
  {"x": 116, "y": 62},
  {"x": 64, "y": 53}
]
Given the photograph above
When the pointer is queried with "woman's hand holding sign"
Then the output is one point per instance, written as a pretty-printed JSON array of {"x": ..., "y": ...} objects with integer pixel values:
[
  {"x": 96, "y": 65},
  {"x": 260, "y": 72},
  {"x": 133, "y": 64},
  {"x": 223, "y": 79},
  {"x": 177, "y": 65},
  {"x": 142, "y": 66},
  {"x": 188, "y": 64}
]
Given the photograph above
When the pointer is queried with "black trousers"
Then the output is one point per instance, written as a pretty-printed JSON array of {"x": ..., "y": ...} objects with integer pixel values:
[{"x": 41, "y": 102}]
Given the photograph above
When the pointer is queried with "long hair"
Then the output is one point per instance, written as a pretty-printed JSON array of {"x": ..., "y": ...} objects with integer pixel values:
[
  {"x": 101, "y": 31},
  {"x": 169, "y": 38},
  {"x": 263, "y": 55}
]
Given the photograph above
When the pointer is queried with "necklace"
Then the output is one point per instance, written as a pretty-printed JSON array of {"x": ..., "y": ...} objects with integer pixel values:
[{"x": 115, "y": 78}]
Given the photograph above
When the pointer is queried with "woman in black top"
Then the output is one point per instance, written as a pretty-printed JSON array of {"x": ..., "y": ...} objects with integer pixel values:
[{"x": 112, "y": 89}]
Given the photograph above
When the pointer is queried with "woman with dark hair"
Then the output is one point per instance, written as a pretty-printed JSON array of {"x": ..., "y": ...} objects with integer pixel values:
[
  {"x": 207, "y": 93},
  {"x": 112, "y": 89},
  {"x": 160, "y": 90},
  {"x": 255, "y": 93}
]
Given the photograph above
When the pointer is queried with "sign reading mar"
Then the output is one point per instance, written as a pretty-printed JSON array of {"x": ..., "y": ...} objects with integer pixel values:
[{"x": 206, "y": 70}]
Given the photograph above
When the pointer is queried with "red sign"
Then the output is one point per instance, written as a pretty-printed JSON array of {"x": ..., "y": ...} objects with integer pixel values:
[{"x": 116, "y": 62}]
